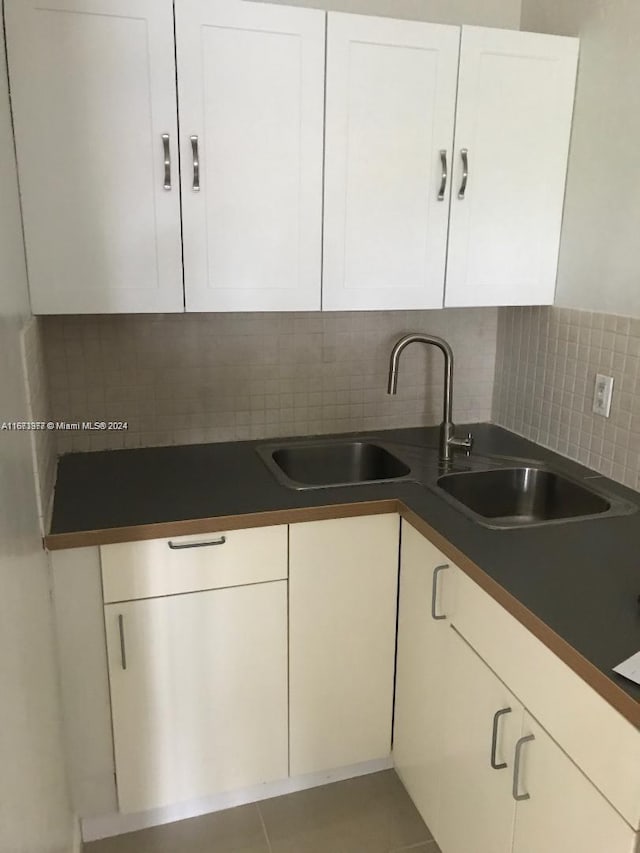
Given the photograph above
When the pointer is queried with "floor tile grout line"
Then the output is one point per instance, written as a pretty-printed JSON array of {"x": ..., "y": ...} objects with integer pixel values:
[
  {"x": 264, "y": 828},
  {"x": 416, "y": 846}
]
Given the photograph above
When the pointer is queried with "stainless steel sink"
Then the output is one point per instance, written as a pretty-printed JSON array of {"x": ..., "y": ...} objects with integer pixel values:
[
  {"x": 318, "y": 464},
  {"x": 522, "y": 496}
]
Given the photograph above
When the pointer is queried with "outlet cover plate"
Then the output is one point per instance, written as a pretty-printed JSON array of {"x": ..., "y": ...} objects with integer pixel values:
[{"x": 602, "y": 394}]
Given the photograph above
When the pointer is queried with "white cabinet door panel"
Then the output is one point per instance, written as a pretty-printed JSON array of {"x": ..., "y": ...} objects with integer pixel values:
[
  {"x": 391, "y": 88},
  {"x": 477, "y": 810},
  {"x": 564, "y": 811},
  {"x": 201, "y": 707},
  {"x": 513, "y": 117},
  {"x": 93, "y": 91},
  {"x": 342, "y": 625},
  {"x": 421, "y": 670},
  {"x": 251, "y": 88}
]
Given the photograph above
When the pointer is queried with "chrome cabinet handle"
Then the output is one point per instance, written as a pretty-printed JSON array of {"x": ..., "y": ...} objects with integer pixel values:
[
  {"x": 464, "y": 153},
  {"x": 196, "y": 164},
  {"x": 434, "y": 592},
  {"x": 494, "y": 738},
  {"x": 180, "y": 546},
  {"x": 516, "y": 768},
  {"x": 167, "y": 161},
  {"x": 123, "y": 649},
  {"x": 444, "y": 175}
]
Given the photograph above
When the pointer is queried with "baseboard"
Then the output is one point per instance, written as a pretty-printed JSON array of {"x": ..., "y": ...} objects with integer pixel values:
[{"x": 105, "y": 826}]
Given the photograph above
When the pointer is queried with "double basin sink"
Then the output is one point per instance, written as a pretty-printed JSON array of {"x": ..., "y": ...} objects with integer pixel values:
[{"x": 495, "y": 492}]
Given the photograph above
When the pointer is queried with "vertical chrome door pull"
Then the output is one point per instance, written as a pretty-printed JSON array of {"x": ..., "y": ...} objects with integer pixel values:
[
  {"x": 167, "y": 161},
  {"x": 516, "y": 768},
  {"x": 434, "y": 592},
  {"x": 196, "y": 164},
  {"x": 464, "y": 154},
  {"x": 123, "y": 650},
  {"x": 494, "y": 738},
  {"x": 444, "y": 175}
]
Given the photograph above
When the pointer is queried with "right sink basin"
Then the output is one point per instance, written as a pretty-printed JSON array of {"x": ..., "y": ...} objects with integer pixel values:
[{"x": 522, "y": 496}]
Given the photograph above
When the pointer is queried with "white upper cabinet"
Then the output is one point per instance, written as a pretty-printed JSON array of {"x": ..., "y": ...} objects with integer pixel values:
[
  {"x": 513, "y": 121},
  {"x": 93, "y": 94},
  {"x": 251, "y": 94},
  {"x": 391, "y": 90},
  {"x": 304, "y": 184}
]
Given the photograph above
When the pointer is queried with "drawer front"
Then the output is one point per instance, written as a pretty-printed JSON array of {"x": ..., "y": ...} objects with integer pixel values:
[
  {"x": 190, "y": 563},
  {"x": 594, "y": 735}
]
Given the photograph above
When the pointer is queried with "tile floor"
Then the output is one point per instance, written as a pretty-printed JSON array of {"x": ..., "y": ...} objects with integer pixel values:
[{"x": 370, "y": 814}]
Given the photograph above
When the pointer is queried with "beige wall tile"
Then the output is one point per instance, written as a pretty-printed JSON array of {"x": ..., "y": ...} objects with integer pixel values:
[
  {"x": 218, "y": 377},
  {"x": 546, "y": 363}
]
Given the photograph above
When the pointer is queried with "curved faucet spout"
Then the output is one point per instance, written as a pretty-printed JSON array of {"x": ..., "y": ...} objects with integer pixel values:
[
  {"x": 418, "y": 338},
  {"x": 447, "y": 430}
]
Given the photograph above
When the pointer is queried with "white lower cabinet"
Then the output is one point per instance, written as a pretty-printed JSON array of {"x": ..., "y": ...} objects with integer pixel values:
[
  {"x": 563, "y": 812},
  {"x": 217, "y": 687},
  {"x": 427, "y": 601},
  {"x": 476, "y": 808},
  {"x": 198, "y": 693},
  {"x": 507, "y": 787},
  {"x": 343, "y": 577}
]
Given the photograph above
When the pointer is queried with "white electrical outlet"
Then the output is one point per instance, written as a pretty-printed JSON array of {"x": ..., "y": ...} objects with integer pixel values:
[{"x": 602, "y": 394}]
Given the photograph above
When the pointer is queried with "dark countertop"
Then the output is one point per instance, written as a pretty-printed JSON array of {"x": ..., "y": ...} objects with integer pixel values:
[{"x": 581, "y": 578}]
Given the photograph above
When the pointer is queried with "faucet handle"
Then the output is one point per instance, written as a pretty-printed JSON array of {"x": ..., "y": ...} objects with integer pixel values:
[{"x": 462, "y": 443}]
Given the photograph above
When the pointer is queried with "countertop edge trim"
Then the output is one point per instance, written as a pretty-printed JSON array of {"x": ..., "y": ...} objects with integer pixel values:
[
  {"x": 187, "y": 527},
  {"x": 588, "y": 672}
]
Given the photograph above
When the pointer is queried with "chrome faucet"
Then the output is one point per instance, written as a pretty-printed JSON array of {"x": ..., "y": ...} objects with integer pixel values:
[{"x": 448, "y": 440}]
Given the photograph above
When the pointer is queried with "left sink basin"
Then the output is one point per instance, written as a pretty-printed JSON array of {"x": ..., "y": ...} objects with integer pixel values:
[{"x": 317, "y": 465}]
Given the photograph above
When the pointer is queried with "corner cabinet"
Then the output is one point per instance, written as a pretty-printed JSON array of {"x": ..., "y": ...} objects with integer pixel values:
[
  {"x": 343, "y": 578},
  {"x": 421, "y": 166}
]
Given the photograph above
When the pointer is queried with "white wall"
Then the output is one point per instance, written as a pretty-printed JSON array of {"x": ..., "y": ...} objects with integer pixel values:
[
  {"x": 34, "y": 809},
  {"x": 600, "y": 250},
  {"x": 485, "y": 13}
]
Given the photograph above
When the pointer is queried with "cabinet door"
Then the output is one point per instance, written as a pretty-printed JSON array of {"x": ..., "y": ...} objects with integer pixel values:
[
  {"x": 93, "y": 92},
  {"x": 198, "y": 692},
  {"x": 513, "y": 120},
  {"x": 342, "y": 625},
  {"x": 477, "y": 809},
  {"x": 391, "y": 90},
  {"x": 564, "y": 811},
  {"x": 421, "y": 669},
  {"x": 251, "y": 86}
]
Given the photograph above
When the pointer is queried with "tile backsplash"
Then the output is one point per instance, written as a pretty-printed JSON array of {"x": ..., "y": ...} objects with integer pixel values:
[
  {"x": 546, "y": 363},
  {"x": 188, "y": 378}
]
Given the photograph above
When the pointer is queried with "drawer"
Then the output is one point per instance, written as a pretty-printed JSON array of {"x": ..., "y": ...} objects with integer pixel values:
[{"x": 189, "y": 563}]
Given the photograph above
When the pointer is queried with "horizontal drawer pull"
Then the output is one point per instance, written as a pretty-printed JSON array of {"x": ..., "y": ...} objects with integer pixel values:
[{"x": 180, "y": 546}]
